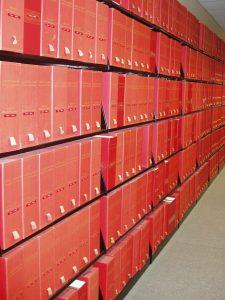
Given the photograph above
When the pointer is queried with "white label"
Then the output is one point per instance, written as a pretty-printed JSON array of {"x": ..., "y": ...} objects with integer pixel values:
[{"x": 77, "y": 284}]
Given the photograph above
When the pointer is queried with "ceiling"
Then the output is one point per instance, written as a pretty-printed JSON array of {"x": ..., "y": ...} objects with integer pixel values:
[{"x": 216, "y": 8}]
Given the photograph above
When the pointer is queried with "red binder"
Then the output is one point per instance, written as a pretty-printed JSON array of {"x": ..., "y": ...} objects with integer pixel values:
[
  {"x": 65, "y": 29},
  {"x": 12, "y": 24},
  {"x": 95, "y": 168},
  {"x": 29, "y": 106},
  {"x": 94, "y": 215},
  {"x": 73, "y": 113},
  {"x": 32, "y": 27},
  {"x": 85, "y": 171},
  {"x": 86, "y": 101},
  {"x": 111, "y": 217},
  {"x": 91, "y": 277},
  {"x": 49, "y": 28},
  {"x": 102, "y": 33},
  {"x": 59, "y": 102},
  {"x": 60, "y": 181},
  {"x": 96, "y": 104},
  {"x": 44, "y": 104},
  {"x": 30, "y": 177},
  {"x": 47, "y": 187},
  {"x": 12, "y": 274},
  {"x": 110, "y": 98},
  {"x": 47, "y": 263},
  {"x": 10, "y": 107},
  {"x": 11, "y": 203}
]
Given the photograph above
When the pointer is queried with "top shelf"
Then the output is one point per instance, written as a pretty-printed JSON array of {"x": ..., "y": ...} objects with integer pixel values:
[{"x": 157, "y": 28}]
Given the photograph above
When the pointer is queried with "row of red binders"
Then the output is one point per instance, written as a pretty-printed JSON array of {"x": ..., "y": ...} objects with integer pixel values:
[
  {"x": 39, "y": 104},
  {"x": 118, "y": 266},
  {"x": 196, "y": 65},
  {"x": 173, "y": 17},
  {"x": 134, "y": 46},
  {"x": 44, "y": 264},
  {"x": 69, "y": 29},
  {"x": 58, "y": 30},
  {"x": 43, "y": 186}
]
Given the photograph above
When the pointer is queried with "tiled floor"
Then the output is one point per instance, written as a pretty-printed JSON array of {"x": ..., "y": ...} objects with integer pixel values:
[{"x": 192, "y": 265}]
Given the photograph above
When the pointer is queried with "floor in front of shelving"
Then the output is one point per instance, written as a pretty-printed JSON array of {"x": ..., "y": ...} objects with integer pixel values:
[{"x": 192, "y": 265}]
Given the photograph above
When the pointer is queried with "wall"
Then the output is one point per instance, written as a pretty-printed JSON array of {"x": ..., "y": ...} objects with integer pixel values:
[{"x": 202, "y": 14}]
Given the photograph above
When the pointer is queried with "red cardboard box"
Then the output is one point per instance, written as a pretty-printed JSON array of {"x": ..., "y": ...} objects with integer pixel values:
[
  {"x": 65, "y": 29},
  {"x": 115, "y": 252},
  {"x": 107, "y": 272},
  {"x": 31, "y": 269},
  {"x": 72, "y": 174},
  {"x": 32, "y": 27},
  {"x": 44, "y": 104},
  {"x": 187, "y": 164},
  {"x": 119, "y": 158},
  {"x": 47, "y": 263},
  {"x": 126, "y": 222},
  {"x": 139, "y": 148},
  {"x": 108, "y": 160},
  {"x": 94, "y": 215},
  {"x": 11, "y": 203},
  {"x": 133, "y": 152},
  {"x": 47, "y": 187},
  {"x": 162, "y": 51},
  {"x": 96, "y": 100},
  {"x": 144, "y": 242},
  {"x": 10, "y": 107},
  {"x": 30, "y": 177},
  {"x": 170, "y": 214},
  {"x": 12, "y": 274},
  {"x": 147, "y": 146},
  {"x": 142, "y": 185},
  {"x": 49, "y": 27},
  {"x": 95, "y": 167},
  {"x": 85, "y": 171},
  {"x": 84, "y": 31},
  {"x": 111, "y": 217},
  {"x": 150, "y": 182},
  {"x": 134, "y": 205},
  {"x": 136, "y": 241},
  {"x": 130, "y": 101},
  {"x": 110, "y": 98},
  {"x": 156, "y": 220},
  {"x": 171, "y": 173},
  {"x": 73, "y": 113},
  {"x": 83, "y": 223},
  {"x": 73, "y": 253},
  {"x": 160, "y": 95},
  {"x": 127, "y": 153},
  {"x": 102, "y": 33},
  {"x": 86, "y": 101},
  {"x": 12, "y": 24},
  {"x": 158, "y": 184},
  {"x": 156, "y": 12},
  {"x": 121, "y": 101},
  {"x": 126, "y": 252},
  {"x": 160, "y": 138},
  {"x": 164, "y": 14},
  {"x": 117, "y": 38},
  {"x": 60, "y": 181},
  {"x": 29, "y": 105},
  {"x": 60, "y": 247},
  {"x": 91, "y": 277},
  {"x": 59, "y": 102}
]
